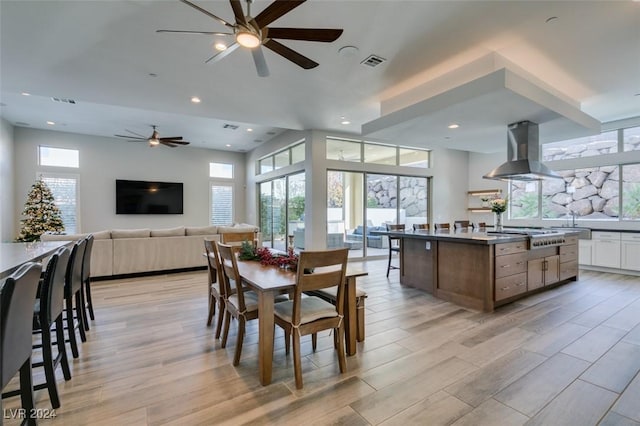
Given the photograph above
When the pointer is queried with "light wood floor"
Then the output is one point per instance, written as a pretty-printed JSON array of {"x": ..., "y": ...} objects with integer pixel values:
[{"x": 570, "y": 356}]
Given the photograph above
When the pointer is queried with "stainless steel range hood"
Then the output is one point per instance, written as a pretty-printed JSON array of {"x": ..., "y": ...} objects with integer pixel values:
[{"x": 522, "y": 155}]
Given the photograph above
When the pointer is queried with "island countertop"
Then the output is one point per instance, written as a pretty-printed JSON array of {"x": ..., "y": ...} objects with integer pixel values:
[{"x": 471, "y": 237}]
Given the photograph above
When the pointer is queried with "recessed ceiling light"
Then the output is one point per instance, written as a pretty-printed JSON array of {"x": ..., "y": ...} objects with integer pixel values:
[
  {"x": 51, "y": 123},
  {"x": 228, "y": 145},
  {"x": 453, "y": 126},
  {"x": 249, "y": 130},
  {"x": 345, "y": 122},
  {"x": 25, "y": 94},
  {"x": 195, "y": 100},
  {"x": 220, "y": 46}
]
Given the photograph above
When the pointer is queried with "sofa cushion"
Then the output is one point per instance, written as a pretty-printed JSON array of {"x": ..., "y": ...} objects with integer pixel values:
[
  {"x": 170, "y": 232},
  {"x": 358, "y": 230},
  {"x": 130, "y": 233},
  {"x": 102, "y": 235},
  {"x": 202, "y": 230},
  {"x": 236, "y": 228},
  {"x": 62, "y": 237}
]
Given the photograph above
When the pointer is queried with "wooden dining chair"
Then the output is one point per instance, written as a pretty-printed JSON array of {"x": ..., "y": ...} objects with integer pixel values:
[
  {"x": 420, "y": 226},
  {"x": 442, "y": 226},
  {"x": 215, "y": 285},
  {"x": 461, "y": 224},
  {"x": 309, "y": 315},
  {"x": 241, "y": 304},
  {"x": 394, "y": 244},
  {"x": 237, "y": 238},
  {"x": 17, "y": 296}
]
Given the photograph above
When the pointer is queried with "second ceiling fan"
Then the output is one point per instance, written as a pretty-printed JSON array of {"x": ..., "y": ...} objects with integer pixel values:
[{"x": 253, "y": 33}]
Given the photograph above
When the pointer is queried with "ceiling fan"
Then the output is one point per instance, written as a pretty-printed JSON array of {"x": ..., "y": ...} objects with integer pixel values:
[
  {"x": 155, "y": 139},
  {"x": 253, "y": 33}
]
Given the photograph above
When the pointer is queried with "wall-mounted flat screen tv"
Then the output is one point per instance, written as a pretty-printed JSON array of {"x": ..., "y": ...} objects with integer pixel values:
[{"x": 141, "y": 197}]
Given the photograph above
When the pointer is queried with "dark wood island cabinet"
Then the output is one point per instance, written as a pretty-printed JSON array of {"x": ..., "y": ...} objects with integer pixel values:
[{"x": 482, "y": 271}]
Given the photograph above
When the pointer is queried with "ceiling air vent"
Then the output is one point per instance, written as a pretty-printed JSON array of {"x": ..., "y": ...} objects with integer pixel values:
[
  {"x": 373, "y": 61},
  {"x": 257, "y": 140},
  {"x": 229, "y": 126},
  {"x": 64, "y": 100}
]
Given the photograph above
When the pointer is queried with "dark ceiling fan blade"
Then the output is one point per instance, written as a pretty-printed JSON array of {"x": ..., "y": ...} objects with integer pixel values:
[
  {"x": 177, "y": 138},
  {"x": 178, "y": 142},
  {"x": 326, "y": 35},
  {"x": 261, "y": 63},
  {"x": 291, "y": 55},
  {"x": 276, "y": 10},
  {"x": 222, "y": 54},
  {"x": 206, "y": 12},
  {"x": 237, "y": 11},
  {"x": 168, "y": 144},
  {"x": 194, "y": 32},
  {"x": 131, "y": 137},
  {"x": 134, "y": 133}
]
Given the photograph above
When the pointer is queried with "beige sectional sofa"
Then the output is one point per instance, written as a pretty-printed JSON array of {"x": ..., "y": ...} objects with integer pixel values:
[{"x": 131, "y": 251}]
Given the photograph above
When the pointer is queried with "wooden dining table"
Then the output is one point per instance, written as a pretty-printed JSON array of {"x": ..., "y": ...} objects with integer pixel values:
[{"x": 267, "y": 281}]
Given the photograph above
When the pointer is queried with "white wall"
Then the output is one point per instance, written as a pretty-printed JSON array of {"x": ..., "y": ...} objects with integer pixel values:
[
  {"x": 103, "y": 160},
  {"x": 449, "y": 185},
  {"x": 6, "y": 178}
]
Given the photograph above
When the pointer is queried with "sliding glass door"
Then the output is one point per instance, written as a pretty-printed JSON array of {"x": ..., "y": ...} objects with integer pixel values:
[
  {"x": 281, "y": 207},
  {"x": 355, "y": 199}
]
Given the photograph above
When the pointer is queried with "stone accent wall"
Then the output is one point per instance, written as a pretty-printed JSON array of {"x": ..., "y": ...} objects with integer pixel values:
[{"x": 382, "y": 193}]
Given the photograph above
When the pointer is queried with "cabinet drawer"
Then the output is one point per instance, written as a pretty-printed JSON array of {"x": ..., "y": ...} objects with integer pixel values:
[
  {"x": 568, "y": 270},
  {"x": 630, "y": 237},
  {"x": 511, "y": 286},
  {"x": 573, "y": 239},
  {"x": 568, "y": 253},
  {"x": 511, "y": 264},
  {"x": 601, "y": 235},
  {"x": 510, "y": 248}
]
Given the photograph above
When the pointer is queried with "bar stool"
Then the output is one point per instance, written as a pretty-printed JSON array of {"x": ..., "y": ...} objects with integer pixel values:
[
  {"x": 461, "y": 224},
  {"x": 394, "y": 245},
  {"x": 17, "y": 296},
  {"x": 73, "y": 293},
  {"x": 420, "y": 226},
  {"x": 48, "y": 311}
]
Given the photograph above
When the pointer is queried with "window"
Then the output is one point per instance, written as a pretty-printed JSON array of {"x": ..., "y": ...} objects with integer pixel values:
[
  {"x": 631, "y": 139},
  {"x": 380, "y": 154},
  {"x": 286, "y": 157},
  {"x": 523, "y": 202},
  {"x": 221, "y": 204},
  {"x": 414, "y": 158},
  {"x": 65, "y": 194},
  {"x": 343, "y": 150},
  {"x": 590, "y": 193},
  {"x": 58, "y": 157},
  {"x": 604, "y": 143},
  {"x": 221, "y": 170},
  {"x": 631, "y": 192},
  {"x": 374, "y": 153},
  {"x": 281, "y": 159}
]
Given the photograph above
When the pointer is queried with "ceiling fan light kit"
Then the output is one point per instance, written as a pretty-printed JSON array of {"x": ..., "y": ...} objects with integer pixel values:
[{"x": 252, "y": 33}]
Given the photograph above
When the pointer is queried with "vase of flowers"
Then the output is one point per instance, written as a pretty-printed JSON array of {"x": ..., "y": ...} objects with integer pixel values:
[{"x": 498, "y": 206}]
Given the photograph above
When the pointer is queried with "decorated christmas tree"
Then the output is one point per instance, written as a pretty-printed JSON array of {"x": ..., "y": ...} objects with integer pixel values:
[{"x": 40, "y": 213}]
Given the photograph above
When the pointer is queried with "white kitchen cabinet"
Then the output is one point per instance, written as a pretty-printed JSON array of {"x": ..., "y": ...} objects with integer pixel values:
[
  {"x": 606, "y": 249},
  {"x": 630, "y": 251},
  {"x": 585, "y": 252}
]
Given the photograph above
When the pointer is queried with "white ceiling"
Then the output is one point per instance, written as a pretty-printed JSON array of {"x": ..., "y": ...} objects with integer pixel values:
[{"x": 101, "y": 54}]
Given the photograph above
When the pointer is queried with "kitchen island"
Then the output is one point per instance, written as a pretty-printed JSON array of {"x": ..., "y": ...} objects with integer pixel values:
[{"x": 481, "y": 270}]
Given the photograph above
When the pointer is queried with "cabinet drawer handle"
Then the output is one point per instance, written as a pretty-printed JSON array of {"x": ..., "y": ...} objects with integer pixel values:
[
  {"x": 519, "y": 263},
  {"x": 505, "y": 266},
  {"x": 504, "y": 288},
  {"x": 520, "y": 285}
]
